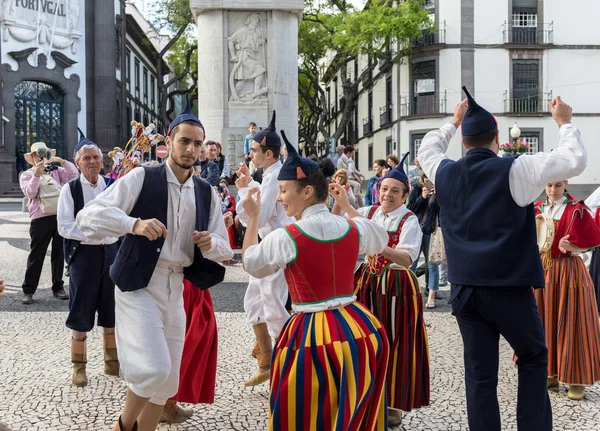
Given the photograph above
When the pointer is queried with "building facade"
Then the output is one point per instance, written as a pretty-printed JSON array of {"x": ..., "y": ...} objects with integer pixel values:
[
  {"x": 514, "y": 56},
  {"x": 61, "y": 64}
]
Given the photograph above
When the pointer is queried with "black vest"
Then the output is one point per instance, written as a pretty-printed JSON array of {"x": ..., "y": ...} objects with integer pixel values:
[
  {"x": 489, "y": 239},
  {"x": 70, "y": 246},
  {"x": 137, "y": 256}
]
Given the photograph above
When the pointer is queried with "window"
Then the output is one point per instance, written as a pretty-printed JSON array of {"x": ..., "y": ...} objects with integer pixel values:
[
  {"x": 415, "y": 143},
  {"x": 370, "y": 156},
  {"x": 524, "y": 19},
  {"x": 388, "y": 145},
  {"x": 136, "y": 71},
  {"x": 356, "y": 160},
  {"x": 525, "y": 86},
  {"x": 127, "y": 66},
  {"x": 424, "y": 97},
  {"x": 152, "y": 93},
  {"x": 370, "y": 101},
  {"x": 145, "y": 86},
  {"x": 335, "y": 89},
  {"x": 534, "y": 138}
]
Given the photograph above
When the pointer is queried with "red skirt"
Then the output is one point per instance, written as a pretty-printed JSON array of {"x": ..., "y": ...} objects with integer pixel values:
[{"x": 198, "y": 370}]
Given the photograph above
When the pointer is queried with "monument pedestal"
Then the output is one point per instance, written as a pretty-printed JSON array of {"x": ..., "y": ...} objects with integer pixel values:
[{"x": 248, "y": 67}]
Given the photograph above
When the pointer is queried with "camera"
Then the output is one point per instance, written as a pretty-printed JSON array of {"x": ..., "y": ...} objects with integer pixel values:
[{"x": 44, "y": 154}]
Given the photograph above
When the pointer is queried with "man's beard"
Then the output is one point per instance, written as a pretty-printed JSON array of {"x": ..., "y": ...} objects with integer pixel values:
[{"x": 181, "y": 164}]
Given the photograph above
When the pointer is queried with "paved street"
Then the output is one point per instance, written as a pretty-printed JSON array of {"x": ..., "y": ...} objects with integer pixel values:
[{"x": 35, "y": 369}]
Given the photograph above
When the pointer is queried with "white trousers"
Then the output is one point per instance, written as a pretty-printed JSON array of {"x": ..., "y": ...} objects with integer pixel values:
[
  {"x": 149, "y": 331},
  {"x": 265, "y": 302}
]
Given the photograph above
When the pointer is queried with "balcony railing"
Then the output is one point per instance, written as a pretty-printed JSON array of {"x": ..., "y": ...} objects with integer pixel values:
[
  {"x": 367, "y": 126},
  {"x": 542, "y": 34},
  {"x": 435, "y": 37},
  {"x": 423, "y": 104},
  {"x": 385, "y": 115},
  {"x": 527, "y": 105}
]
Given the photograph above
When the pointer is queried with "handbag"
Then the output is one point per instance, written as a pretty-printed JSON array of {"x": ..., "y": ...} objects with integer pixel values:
[
  {"x": 48, "y": 193},
  {"x": 437, "y": 252}
]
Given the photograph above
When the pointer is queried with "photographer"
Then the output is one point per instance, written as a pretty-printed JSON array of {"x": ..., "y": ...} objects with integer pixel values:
[{"x": 41, "y": 184}]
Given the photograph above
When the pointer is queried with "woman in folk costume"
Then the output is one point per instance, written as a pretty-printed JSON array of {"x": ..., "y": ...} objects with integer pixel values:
[
  {"x": 328, "y": 367},
  {"x": 593, "y": 203},
  {"x": 391, "y": 291},
  {"x": 567, "y": 305}
]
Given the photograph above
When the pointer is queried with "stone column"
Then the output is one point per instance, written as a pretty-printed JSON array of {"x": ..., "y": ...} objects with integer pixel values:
[{"x": 248, "y": 67}]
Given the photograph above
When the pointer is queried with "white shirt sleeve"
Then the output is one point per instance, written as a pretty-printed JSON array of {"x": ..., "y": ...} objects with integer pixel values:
[
  {"x": 529, "y": 174},
  {"x": 108, "y": 214},
  {"x": 433, "y": 149},
  {"x": 67, "y": 226},
  {"x": 372, "y": 238},
  {"x": 220, "y": 250},
  {"x": 268, "y": 196},
  {"x": 411, "y": 237},
  {"x": 275, "y": 251},
  {"x": 593, "y": 201}
]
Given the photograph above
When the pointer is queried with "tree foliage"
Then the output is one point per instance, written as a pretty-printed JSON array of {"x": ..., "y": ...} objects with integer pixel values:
[
  {"x": 335, "y": 28},
  {"x": 174, "y": 17}
]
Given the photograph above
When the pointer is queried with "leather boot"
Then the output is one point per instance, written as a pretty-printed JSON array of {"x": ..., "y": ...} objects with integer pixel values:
[
  {"x": 576, "y": 392},
  {"x": 552, "y": 382},
  {"x": 255, "y": 350},
  {"x": 174, "y": 413},
  {"x": 111, "y": 360},
  {"x": 79, "y": 360},
  {"x": 119, "y": 426},
  {"x": 264, "y": 357}
]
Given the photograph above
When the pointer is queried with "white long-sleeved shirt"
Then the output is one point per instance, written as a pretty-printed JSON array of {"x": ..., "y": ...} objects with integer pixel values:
[
  {"x": 529, "y": 174},
  {"x": 593, "y": 201},
  {"x": 278, "y": 249},
  {"x": 67, "y": 225},
  {"x": 108, "y": 215},
  {"x": 411, "y": 235},
  {"x": 272, "y": 214}
]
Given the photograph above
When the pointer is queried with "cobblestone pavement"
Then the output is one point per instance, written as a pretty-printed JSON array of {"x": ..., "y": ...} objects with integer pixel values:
[{"x": 36, "y": 394}]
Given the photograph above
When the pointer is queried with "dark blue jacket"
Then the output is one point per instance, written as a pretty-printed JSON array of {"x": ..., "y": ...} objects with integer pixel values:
[
  {"x": 369, "y": 193},
  {"x": 137, "y": 256},
  {"x": 210, "y": 172},
  {"x": 427, "y": 210},
  {"x": 489, "y": 239}
]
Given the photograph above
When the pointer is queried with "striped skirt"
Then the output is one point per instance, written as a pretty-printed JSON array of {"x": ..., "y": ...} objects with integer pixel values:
[
  {"x": 569, "y": 316},
  {"x": 328, "y": 372},
  {"x": 395, "y": 299}
]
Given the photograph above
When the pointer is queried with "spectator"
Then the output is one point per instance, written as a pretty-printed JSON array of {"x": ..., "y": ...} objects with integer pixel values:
[
  {"x": 355, "y": 178},
  {"x": 21, "y": 163},
  {"x": 248, "y": 141},
  {"x": 372, "y": 195},
  {"x": 392, "y": 161},
  {"x": 227, "y": 200},
  {"x": 41, "y": 184},
  {"x": 284, "y": 154},
  {"x": 414, "y": 174},
  {"x": 209, "y": 170},
  {"x": 427, "y": 210},
  {"x": 223, "y": 162},
  {"x": 341, "y": 178},
  {"x": 339, "y": 151}
]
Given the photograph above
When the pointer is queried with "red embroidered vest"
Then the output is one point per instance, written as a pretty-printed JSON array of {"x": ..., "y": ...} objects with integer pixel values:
[
  {"x": 323, "y": 269},
  {"x": 377, "y": 262}
]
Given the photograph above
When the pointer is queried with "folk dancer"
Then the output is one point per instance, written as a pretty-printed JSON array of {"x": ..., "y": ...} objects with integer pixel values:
[
  {"x": 567, "y": 305},
  {"x": 328, "y": 370},
  {"x": 91, "y": 290},
  {"x": 265, "y": 299},
  {"x": 488, "y": 218},
  {"x": 387, "y": 287},
  {"x": 593, "y": 203},
  {"x": 173, "y": 225}
]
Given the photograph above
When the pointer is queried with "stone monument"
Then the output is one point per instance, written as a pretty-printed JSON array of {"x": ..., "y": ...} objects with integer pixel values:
[{"x": 248, "y": 67}]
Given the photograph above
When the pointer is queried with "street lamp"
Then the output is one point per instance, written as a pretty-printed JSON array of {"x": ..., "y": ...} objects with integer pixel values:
[{"x": 515, "y": 133}]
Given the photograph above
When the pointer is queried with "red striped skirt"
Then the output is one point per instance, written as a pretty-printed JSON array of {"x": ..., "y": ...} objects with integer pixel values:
[
  {"x": 569, "y": 316},
  {"x": 328, "y": 372},
  {"x": 395, "y": 299}
]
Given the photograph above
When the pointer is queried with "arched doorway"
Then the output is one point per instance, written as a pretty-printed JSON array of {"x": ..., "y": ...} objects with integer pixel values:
[{"x": 39, "y": 116}]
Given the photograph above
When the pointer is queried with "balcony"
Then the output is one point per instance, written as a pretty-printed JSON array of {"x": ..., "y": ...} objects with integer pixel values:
[
  {"x": 423, "y": 105},
  {"x": 367, "y": 126},
  {"x": 386, "y": 62},
  {"x": 385, "y": 115},
  {"x": 527, "y": 105},
  {"x": 367, "y": 79},
  {"x": 437, "y": 36},
  {"x": 540, "y": 34}
]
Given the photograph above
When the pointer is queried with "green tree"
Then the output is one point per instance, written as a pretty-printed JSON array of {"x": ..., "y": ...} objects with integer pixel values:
[
  {"x": 382, "y": 29},
  {"x": 175, "y": 18}
]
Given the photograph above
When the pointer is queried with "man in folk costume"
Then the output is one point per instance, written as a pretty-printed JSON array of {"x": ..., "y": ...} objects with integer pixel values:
[
  {"x": 198, "y": 372},
  {"x": 173, "y": 228},
  {"x": 265, "y": 299},
  {"x": 386, "y": 286},
  {"x": 567, "y": 305},
  {"x": 90, "y": 288},
  {"x": 493, "y": 259}
]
